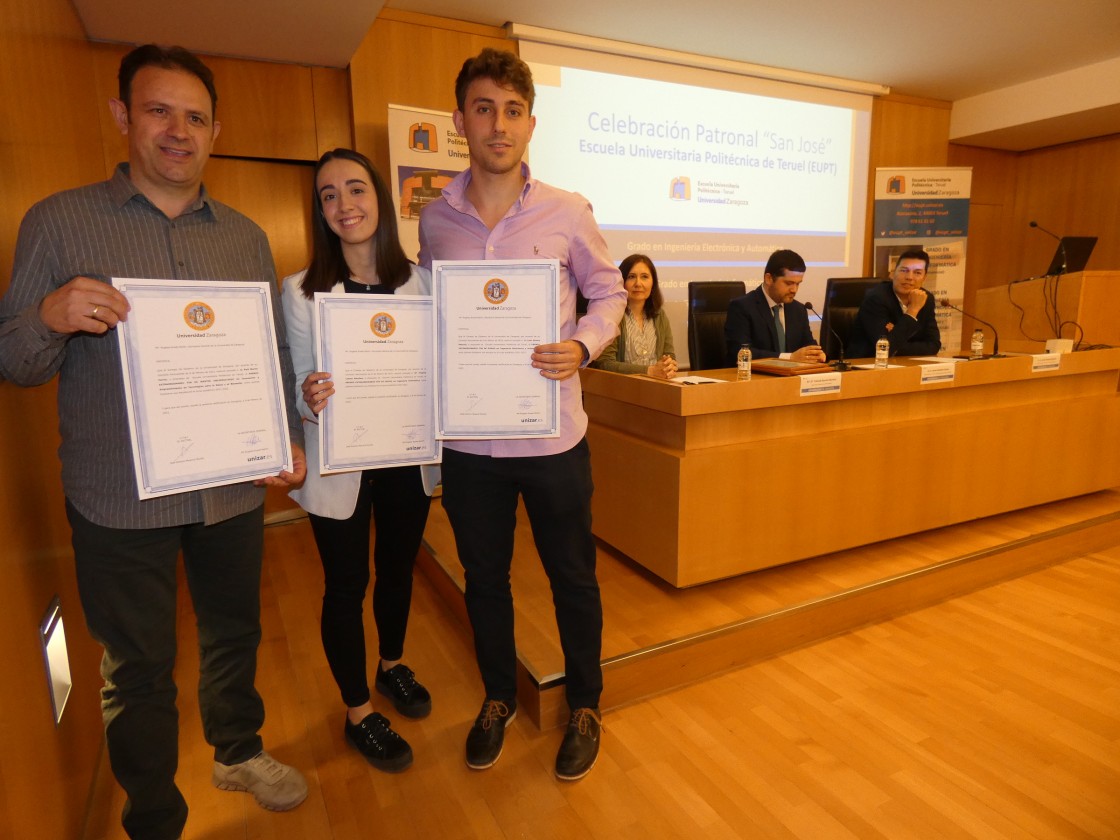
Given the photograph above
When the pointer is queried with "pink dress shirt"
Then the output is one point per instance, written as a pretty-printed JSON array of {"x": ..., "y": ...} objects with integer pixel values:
[{"x": 545, "y": 223}]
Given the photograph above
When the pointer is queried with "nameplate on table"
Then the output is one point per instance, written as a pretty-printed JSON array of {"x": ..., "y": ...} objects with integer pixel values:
[
  {"x": 939, "y": 372},
  {"x": 1045, "y": 361},
  {"x": 815, "y": 384}
]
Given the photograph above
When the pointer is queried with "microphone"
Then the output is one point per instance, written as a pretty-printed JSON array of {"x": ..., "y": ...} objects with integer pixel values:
[
  {"x": 1061, "y": 243},
  {"x": 995, "y": 335},
  {"x": 1035, "y": 224},
  {"x": 839, "y": 364}
]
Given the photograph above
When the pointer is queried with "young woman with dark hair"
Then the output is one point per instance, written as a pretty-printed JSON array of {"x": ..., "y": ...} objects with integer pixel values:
[{"x": 355, "y": 249}]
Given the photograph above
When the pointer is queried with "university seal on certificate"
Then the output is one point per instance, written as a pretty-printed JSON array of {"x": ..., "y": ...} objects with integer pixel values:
[
  {"x": 198, "y": 315},
  {"x": 496, "y": 290}
]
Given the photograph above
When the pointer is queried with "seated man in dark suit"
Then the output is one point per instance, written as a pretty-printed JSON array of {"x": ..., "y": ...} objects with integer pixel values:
[
  {"x": 769, "y": 319},
  {"x": 901, "y": 310}
]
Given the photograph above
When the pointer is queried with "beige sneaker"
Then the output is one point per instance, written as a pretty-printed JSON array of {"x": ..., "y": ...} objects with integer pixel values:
[{"x": 275, "y": 786}]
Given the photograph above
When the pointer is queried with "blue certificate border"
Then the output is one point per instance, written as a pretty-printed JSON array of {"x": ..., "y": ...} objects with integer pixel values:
[
  {"x": 327, "y": 305},
  {"x": 261, "y": 294},
  {"x": 444, "y": 272}
]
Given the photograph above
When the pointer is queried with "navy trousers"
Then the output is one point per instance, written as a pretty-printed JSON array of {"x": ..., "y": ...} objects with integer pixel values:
[{"x": 480, "y": 496}]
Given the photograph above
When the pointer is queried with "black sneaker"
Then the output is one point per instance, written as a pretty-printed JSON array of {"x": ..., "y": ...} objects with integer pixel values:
[
  {"x": 382, "y": 747},
  {"x": 580, "y": 746},
  {"x": 399, "y": 685},
  {"x": 484, "y": 741}
]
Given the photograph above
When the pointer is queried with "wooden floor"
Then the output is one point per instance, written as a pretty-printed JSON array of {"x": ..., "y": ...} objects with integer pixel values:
[
  {"x": 657, "y": 637},
  {"x": 993, "y": 715}
]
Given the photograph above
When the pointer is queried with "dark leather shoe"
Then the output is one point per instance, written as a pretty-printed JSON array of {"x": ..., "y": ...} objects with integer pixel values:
[
  {"x": 409, "y": 697},
  {"x": 382, "y": 747},
  {"x": 580, "y": 746},
  {"x": 485, "y": 740}
]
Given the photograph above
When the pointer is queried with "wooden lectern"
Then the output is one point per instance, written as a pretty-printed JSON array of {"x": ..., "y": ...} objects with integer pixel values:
[{"x": 1089, "y": 298}]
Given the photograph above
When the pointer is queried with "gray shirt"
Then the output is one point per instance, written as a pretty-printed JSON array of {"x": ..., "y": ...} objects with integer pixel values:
[{"x": 107, "y": 230}]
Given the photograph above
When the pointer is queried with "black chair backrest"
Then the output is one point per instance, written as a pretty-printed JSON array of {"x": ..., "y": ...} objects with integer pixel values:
[
  {"x": 842, "y": 297},
  {"x": 707, "y": 314}
]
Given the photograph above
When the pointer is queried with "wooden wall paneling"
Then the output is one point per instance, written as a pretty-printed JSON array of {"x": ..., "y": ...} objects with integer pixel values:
[
  {"x": 46, "y": 137},
  {"x": 993, "y": 172},
  {"x": 985, "y": 263},
  {"x": 408, "y": 59},
  {"x": 1045, "y": 194},
  {"x": 1060, "y": 187},
  {"x": 905, "y": 131},
  {"x": 267, "y": 110},
  {"x": 989, "y": 225},
  {"x": 909, "y": 132},
  {"x": 106, "y": 59},
  {"x": 1069, "y": 190},
  {"x": 48, "y": 142},
  {"x": 37, "y": 565},
  {"x": 277, "y": 196},
  {"x": 1097, "y": 212},
  {"x": 334, "y": 123}
]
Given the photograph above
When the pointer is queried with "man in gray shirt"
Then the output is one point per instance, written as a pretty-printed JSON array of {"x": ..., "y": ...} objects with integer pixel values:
[{"x": 154, "y": 219}]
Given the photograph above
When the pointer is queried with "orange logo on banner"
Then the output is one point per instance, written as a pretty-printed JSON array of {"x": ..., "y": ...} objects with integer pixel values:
[{"x": 422, "y": 137}]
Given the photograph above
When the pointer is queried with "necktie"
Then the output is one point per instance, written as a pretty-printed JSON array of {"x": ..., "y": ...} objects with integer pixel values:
[{"x": 778, "y": 326}]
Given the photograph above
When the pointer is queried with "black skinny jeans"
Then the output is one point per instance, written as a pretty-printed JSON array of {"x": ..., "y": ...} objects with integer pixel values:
[
  {"x": 127, "y": 580},
  {"x": 395, "y": 496}
]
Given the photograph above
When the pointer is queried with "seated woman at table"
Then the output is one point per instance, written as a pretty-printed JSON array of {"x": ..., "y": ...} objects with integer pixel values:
[{"x": 645, "y": 341}]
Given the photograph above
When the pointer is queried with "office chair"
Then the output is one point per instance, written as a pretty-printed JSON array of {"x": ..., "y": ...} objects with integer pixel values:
[
  {"x": 707, "y": 314},
  {"x": 842, "y": 297}
]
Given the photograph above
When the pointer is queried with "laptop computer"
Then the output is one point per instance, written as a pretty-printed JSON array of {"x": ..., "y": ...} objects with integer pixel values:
[{"x": 1072, "y": 254}]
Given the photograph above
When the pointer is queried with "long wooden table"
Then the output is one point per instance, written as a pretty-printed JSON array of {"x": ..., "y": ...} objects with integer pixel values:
[{"x": 703, "y": 482}]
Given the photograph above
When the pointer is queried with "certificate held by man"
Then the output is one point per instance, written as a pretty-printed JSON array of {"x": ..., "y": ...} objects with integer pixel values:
[
  {"x": 489, "y": 316},
  {"x": 203, "y": 386},
  {"x": 378, "y": 349}
]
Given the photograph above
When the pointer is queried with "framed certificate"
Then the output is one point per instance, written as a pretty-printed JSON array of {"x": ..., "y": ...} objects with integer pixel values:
[
  {"x": 488, "y": 318},
  {"x": 202, "y": 384},
  {"x": 378, "y": 349}
]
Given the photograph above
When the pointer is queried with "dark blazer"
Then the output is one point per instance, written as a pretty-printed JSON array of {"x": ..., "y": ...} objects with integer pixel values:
[
  {"x": 882, "y": 314},
  {"x": 750, "y": 320}
]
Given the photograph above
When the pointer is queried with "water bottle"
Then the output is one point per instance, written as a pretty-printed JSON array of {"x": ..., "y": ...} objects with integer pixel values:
[
  {"x": 743, "y": 363},
  {"x": 977, "y": 346},
  {"x": 882, "y": 352}
]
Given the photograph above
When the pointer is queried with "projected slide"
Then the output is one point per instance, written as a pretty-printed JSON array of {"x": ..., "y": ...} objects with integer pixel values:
[{"x": 697, "y": 176}]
